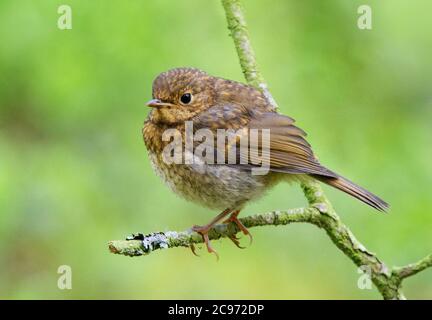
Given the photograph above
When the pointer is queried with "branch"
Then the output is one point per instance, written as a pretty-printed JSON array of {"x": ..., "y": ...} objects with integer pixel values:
[
  {"x": 239, "y": 33},
  {"x": 387, "y": 281},
  {"x": 412, "y": 269},
  {"x": 320, "y": 212},
  {"x": 139, "y": 245}
]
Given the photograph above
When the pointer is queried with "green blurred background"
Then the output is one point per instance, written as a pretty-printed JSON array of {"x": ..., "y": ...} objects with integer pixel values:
[{"x": 74, "y": 171}]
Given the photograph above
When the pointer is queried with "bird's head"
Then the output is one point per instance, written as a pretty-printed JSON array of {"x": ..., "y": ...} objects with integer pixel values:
[{"x": 180, "y": 94}]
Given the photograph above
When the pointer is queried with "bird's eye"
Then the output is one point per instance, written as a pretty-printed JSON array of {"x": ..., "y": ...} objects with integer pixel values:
[{"x": 186, "y": 98}]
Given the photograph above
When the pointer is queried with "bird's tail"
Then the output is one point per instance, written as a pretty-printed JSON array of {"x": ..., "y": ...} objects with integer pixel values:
[{"x": 354, "y": 190}]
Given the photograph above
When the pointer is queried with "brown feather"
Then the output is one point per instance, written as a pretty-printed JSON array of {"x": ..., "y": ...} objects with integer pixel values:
[{"x": 354, "y": 190}]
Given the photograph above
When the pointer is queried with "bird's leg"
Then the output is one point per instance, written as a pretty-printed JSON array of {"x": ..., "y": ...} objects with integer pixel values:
[
  {"x": 234, "y": 218},
  {"x": 204, "y": 230}
]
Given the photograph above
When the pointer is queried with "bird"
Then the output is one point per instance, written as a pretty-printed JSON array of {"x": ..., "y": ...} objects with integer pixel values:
[{"x": 189, "y": 98}]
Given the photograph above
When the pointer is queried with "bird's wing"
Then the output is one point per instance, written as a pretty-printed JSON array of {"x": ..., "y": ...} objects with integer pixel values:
[{"x": 287, "y": 149}]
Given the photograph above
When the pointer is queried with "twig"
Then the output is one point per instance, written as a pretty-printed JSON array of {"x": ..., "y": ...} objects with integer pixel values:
[
  {"x": 412, "y": 269},
  {"x": 319, "y": 213}
]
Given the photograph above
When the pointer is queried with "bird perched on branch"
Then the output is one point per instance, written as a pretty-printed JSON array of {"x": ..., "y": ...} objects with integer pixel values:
[{"x": 219, "y": 173}]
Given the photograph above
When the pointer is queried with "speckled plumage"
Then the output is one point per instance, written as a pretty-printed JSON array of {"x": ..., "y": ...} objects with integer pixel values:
[
  {"x": 217, "y": 103},
  {"x": 211, "y": 185}
]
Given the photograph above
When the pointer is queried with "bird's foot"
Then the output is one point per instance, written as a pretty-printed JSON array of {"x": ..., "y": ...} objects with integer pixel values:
[
  {"x": 240, "y": 225},
  {"x": 203, "y": 231}
]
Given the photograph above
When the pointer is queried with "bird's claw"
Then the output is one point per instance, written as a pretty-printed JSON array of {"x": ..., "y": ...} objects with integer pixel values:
[
  {"x": 209, "y": 247},
  {"x": 203, "y": 231},
  {"x": 240, "y": 225},
  {"x": 236, "y": 241},
  {"x": 192, "y": 247}
]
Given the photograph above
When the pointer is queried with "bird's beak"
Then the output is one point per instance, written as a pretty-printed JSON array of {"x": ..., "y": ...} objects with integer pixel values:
[{"x": 154, "y": 103}]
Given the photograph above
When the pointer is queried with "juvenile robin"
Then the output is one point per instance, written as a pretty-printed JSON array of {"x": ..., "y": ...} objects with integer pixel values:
[{"x": 185, "y": 96}]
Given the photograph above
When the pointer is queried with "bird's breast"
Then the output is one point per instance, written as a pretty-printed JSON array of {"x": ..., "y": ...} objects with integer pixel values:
[{"x": 215, "y": 186}]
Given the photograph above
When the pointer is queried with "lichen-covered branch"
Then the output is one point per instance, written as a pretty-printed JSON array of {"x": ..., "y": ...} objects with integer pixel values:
[
  {"x": 239, "y": 32},
  {"x": 320, "y": 212},
  {"x": 388, "y": 281},
  {"x": 138, "y": 244},
  {"x": 414, "y": 268}
]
